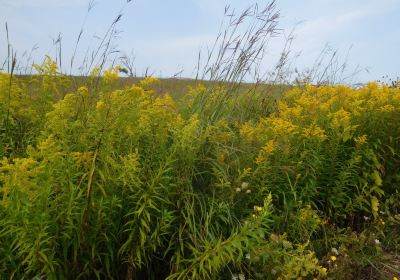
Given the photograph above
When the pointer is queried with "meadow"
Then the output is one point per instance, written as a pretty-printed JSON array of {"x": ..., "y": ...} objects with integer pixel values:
[
  {"x": 234, "y": 174},
  {"x": 113, "y": 178}
]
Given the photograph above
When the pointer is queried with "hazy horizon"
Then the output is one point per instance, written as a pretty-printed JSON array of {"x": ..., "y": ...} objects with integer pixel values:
[{"x": 166, "y": 36}]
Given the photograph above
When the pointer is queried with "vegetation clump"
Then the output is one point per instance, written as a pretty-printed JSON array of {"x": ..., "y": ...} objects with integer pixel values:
[{"x": 127, "y": 183}]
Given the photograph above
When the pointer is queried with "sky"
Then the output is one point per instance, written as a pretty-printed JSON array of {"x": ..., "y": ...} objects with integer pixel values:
[{"x": 166, "y": 35}]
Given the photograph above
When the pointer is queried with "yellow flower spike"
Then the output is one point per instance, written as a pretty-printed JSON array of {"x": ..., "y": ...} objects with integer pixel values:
[
  {"x": 266, "y": 151},
  {"x": 258, "y": 208},
  {"x": 314, "y": 131},
  {"x": 149, "y": 81},
  {"x": 221, "y": 157},
  {"x": 333, "y": 258},
  {"x": 340, "y": 118},
  {"x": 387, "y": 108},
  {"x": 361, "y": 139},
  {"x": 83, "y": 90},
  {"x": 100, "y": 105},
  {"x": 247, "y": 132},
  {"x": 111, "y": 74},
  {"x": 95, "y": 72}
]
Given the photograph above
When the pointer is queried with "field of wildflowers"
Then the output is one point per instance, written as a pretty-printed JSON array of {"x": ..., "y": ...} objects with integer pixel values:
[{"x": 106, "y": 182}]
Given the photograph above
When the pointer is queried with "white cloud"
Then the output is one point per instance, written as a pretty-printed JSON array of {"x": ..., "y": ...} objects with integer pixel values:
[{"x": 342, "y": 20}]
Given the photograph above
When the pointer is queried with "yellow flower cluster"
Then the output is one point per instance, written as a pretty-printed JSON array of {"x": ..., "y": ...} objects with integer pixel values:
[
  {"x": 314, "y": 131},
  {"x": 265, "y": 152},
  {"x": 148, "y": 82},
  {"x": 84, "y": 91},
  {"x": 360, "y": 140},
  {"x": 83, "y": 159},
  {"x": 247, "y": 132},
  {"x": 17, "y": 176},
  {"x": 100, "y": 105},
  {"x": 340, "y": 119},
  {"x": 387, "y": 108},
  {"x": 220, "y": 132},
  {"x": 110, "y": 75},
  {"x": 318, "y": 113},
  {"x": 280, "y": 126}
]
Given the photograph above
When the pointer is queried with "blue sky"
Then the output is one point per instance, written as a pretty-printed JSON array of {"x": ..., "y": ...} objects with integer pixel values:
[{"x": 166, "y": 35}]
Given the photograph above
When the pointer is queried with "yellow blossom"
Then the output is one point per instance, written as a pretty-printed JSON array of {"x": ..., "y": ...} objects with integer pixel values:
[
  {"x": 94, "y": 72},
  {"x": 282, "y": 127},
  {"x": 340, "y": 118},
  {"x": 314, "y": 131},
  {"x": 149, "y": 81},
  {"x": 360, "y": 140},
  {"x": 247, "y": 132},
  {"x": 83, "y": 90},
  {"x": 100, "y": 105},
  {"x": 83, "y": 159},
  {"x": 324, "y": 107},
  {"x": 111, "y": 74},
  {"x": 287, "y": 112},
  {"x": 333, "y": 258},
  {"x": 221, "y": 157},
  {"x": 266, "y": 151},
  {"x": 387, "y": 108},
  {"x": 309, "y": 102},
  {"x": 18, "y": 176}
]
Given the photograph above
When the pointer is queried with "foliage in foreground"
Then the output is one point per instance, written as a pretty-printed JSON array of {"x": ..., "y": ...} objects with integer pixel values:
[{"x": 125, "y": 184}]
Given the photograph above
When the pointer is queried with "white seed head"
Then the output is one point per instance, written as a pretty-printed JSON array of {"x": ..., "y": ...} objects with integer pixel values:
[{"x": 335, "y": 251}]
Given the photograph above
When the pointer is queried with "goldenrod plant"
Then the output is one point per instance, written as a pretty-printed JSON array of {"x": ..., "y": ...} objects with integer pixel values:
[
  {"x": 129, "y": 184},
  {"x": 103, "y": 177}
]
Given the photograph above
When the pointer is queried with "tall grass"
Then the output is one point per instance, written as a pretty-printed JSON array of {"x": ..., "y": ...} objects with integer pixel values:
[
  {"x": 226, "y": 181},
  {"x": 128, "y": 184}
]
